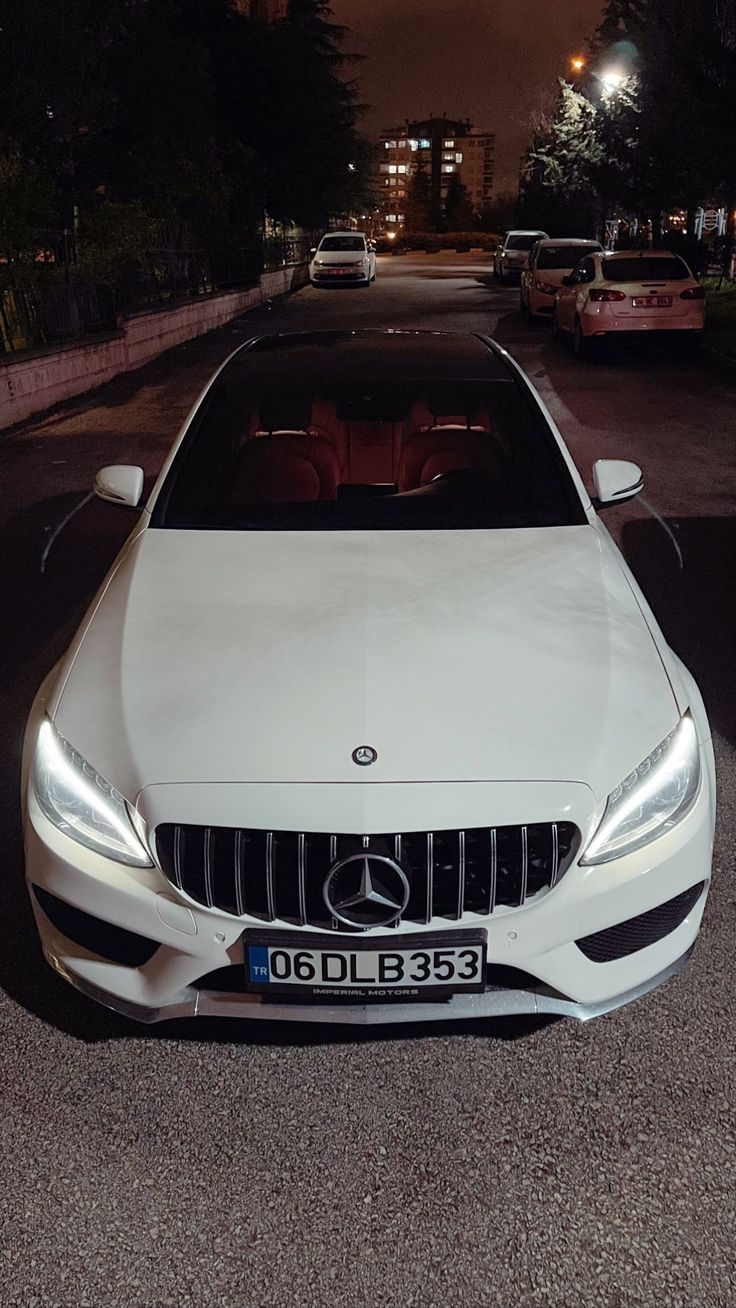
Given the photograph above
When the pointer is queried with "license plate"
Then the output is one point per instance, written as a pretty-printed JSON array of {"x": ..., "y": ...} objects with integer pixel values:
[
  {"x": 652, "y": 301},
  {"x": 384, "y": 968}
]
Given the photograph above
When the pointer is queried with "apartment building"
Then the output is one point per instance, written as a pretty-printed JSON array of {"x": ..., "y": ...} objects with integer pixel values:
[{"x": 443, "y": 147}]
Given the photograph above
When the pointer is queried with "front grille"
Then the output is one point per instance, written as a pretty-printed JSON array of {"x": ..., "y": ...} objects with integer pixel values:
[
  {"x": 279, "y": 875},
  {"x": 638, "y": 932}
]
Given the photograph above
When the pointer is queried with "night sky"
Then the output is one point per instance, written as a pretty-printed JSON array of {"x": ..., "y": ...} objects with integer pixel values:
[{"x": 494, "y": 61}]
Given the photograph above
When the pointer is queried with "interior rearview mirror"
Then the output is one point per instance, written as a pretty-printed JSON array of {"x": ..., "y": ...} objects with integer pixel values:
[
  {"x": 616, "y": 480},
  {"x": 121, "y": 483}
]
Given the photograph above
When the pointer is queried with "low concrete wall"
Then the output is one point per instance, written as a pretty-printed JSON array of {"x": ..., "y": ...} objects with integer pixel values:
[{"x": 41, "y": 379}]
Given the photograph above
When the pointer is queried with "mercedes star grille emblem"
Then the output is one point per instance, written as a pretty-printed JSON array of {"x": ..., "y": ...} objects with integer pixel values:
[
  {"x": 366, "y": 890},
  {"x": 364, "y": 755}
]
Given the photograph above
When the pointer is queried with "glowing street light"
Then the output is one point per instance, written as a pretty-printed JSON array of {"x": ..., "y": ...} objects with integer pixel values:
[
  {"x": 612, "y": 81},
  {"x": 577, "y": 64}
]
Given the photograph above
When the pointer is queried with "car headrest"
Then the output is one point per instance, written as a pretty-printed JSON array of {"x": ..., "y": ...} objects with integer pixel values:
[
  {"x": 285, "y": 413},
  {"x": 429, "y": 454},
  {"x": 284, "y": 469}
]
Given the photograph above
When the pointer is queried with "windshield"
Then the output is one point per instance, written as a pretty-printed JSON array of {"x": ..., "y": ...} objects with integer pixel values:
[
  {"x": 645, "y": 270},
  {"x": 364, "y": 454},
  {"x": 353, "y": 243},
  {"x": 521, "y": 242},
  {"x": 563, "y": 256}
]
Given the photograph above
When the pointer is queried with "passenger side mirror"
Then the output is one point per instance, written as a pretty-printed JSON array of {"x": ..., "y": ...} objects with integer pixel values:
[
  {"x": 313, "y": 250},
  {"x": 121, "y": 483},
  {"x": 616, "y": 480}
]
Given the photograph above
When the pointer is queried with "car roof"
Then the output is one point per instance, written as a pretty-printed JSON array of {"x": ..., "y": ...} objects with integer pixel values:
[
  {"x": 371, "y": 355},
  {"x": 570, "y": 240},
  {"x": 343, "y": 233},
  {"x": 525, "y": 231},
  {"x": 641, "y": 254}
]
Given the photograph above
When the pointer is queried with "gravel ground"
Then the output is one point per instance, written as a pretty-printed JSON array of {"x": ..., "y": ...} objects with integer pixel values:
[{"x": 539, "y": 1164}]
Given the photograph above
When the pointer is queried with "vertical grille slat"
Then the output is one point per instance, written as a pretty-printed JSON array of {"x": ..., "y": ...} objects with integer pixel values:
[
  {"x": 430, "y": 876},
  {"x": 302, "y": 875},
  {"x": 555, "y": 855},
  {"x": 270, "y": 905},
  {"x": 493, "y": 872},
  {"x": 238, "y": 876},
  {"x": 208, "y": 843},
  {"x": 460, "y": 874},
  {"x": 454, "y": 875},
  {"x": 524, "y": 865}
]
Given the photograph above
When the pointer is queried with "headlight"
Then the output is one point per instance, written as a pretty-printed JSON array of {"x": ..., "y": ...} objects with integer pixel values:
[
  {"x": 81, "y": 803},
  {"x": 652, "y": 799},
  {"x": 546, "y": 288}
]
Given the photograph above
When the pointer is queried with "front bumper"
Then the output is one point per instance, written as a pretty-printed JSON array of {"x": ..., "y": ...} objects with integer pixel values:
[{"x": 536, "y": 944}]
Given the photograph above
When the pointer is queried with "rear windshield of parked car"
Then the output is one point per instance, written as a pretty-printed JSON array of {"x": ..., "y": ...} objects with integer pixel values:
[
  {"x": 365, "y": 454},
  {"x": 342, "y": 243},
  {"x": 645, "y": 270},
  {"x": 521, "y": 242},
  {"x": 562, "y": 256}
]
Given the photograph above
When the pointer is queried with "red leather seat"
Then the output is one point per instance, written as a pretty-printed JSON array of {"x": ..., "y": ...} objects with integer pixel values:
[
  {"x": 285, "y": 468},
  {"x": 429, "y": 454}
]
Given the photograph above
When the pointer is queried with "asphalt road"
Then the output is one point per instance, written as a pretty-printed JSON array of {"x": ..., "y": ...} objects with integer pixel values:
[{"x": 519, "y": 1164}]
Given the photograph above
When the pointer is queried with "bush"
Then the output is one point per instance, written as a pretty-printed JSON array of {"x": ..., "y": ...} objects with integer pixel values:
[{"x": 433, "y": 242}]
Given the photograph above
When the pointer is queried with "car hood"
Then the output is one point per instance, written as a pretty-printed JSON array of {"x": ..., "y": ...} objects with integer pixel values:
[{"x": 459, "y": 656}]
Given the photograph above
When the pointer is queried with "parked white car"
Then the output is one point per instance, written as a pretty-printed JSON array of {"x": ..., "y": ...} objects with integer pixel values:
[
  {"x": 370, "y": 721},
  {"x": 343, "y": 257},
  {"x": 629, "y": 291},
  {"x": 512, "y": 256},
  {"x": 549, "y": 262}
]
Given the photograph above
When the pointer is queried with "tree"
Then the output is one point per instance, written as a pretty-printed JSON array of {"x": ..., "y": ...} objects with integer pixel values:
[
  {"x": 560, "y": 190},
  {"x": 28, "y": 210},
  {"x": 419, "y": 201},
  {"x": 458, "y": 213}
]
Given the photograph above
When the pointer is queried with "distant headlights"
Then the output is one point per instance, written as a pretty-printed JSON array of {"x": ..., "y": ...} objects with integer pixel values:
[
  {"x": 653, "y": 798},
  {"x": 81, "y": 803}
]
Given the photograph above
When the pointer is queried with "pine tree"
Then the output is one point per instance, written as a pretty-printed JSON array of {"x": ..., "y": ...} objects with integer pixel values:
[
  {"x": 458, "y": 213},
  {"x": 419, "y": 201}
]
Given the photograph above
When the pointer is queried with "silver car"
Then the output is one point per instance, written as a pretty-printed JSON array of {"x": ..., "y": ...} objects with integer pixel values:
[{"x": 512, "y": 256}]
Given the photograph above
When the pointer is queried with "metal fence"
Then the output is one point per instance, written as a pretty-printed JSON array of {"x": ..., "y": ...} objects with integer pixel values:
[{"x": 45, "y": 305}]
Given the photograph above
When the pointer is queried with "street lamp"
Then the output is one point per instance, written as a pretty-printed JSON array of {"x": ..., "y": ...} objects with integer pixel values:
[
  {"x": 612, "y": 81},
  {"x": 577, "y": 63}
]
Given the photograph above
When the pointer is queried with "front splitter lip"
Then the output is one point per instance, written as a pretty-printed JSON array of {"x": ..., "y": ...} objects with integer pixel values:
[{"x": 495, "y": 1002}]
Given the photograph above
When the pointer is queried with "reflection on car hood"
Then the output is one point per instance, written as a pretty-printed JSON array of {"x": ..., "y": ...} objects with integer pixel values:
[{"x": 459, "y": 656}]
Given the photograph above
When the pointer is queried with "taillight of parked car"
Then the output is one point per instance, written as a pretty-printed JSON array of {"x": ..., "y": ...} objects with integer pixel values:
[
  {"x": 606, "y": 297},
  {"x": 693, "y": 293}
]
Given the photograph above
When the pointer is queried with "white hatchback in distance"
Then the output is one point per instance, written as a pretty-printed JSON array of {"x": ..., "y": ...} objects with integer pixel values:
[
  {"x": 370, "y": 721},
  {"x": 512, "y": 255},
  {"x": 627, "y": 291},
  {"x": 343, "y": 258},
  {"x": 549, "y": 262}
]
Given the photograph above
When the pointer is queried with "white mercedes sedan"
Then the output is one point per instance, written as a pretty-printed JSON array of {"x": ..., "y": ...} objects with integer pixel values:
[{"x": 369, "y": 721}]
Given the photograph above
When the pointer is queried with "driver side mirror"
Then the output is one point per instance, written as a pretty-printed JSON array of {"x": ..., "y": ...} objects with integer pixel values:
[
  {"x": 121, "y": 483},
  {"x": 615, "y": 481},
  {"x": 313, "y": 250}
]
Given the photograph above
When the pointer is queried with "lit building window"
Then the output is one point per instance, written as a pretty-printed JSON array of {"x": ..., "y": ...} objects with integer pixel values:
[
  {"x": 390, "y": 217},
  {"x": 389, "y": 145},
  {"x": 413, "y": 143},
  {"x": 392, "y": 168},
  {"x": 448, "y": 145},
  {"x": 458, "y": 157},
  {"x": 423, "y": 143},
  {"x": 449, "y": 156},
  {"x": 402, "y": 145},
  {"x": 402, "y": 168},
  {"x": 401, "y": 217},
  {"x": 448, "y": 168},
  {"x": 392, "y": 181}
]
